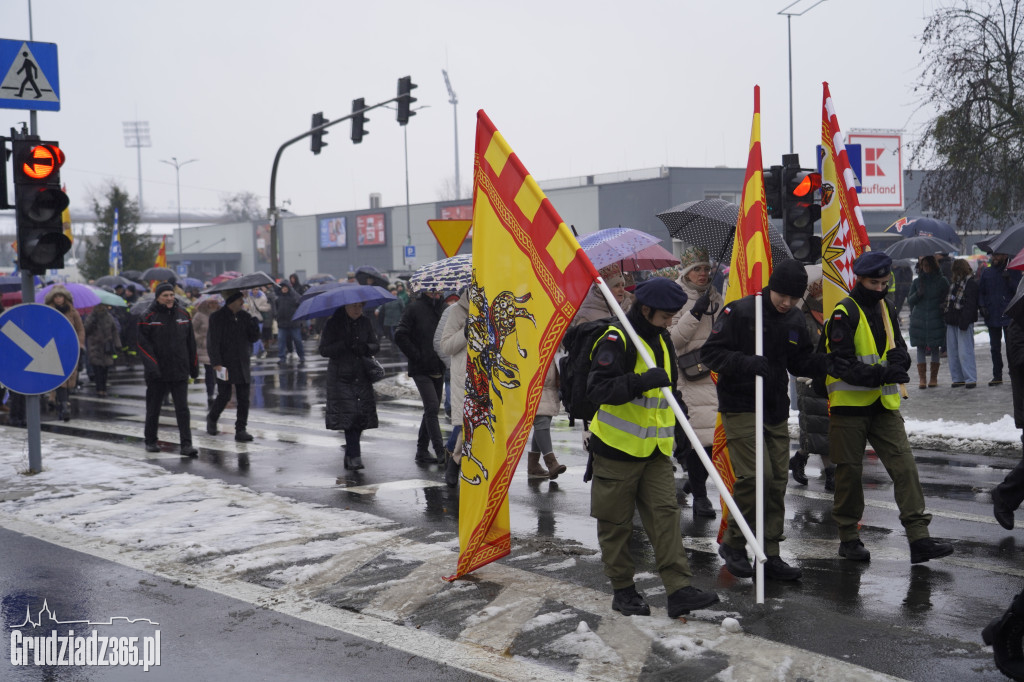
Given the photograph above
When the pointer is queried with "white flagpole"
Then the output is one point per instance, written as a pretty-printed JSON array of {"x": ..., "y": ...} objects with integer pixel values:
[
  {"x": 681, "y": 418},
  {"x": 759, "y": 448}
]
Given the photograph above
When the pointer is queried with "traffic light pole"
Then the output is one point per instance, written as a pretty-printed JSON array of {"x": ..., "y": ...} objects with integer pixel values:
[
  {"x": 32, "y": 421},
  {"x": 273, "y": 213}
]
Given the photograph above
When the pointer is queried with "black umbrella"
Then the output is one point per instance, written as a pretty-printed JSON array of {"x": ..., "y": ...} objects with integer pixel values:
[
  {"x": 253, "y": 281},
  {"x": 1010, "y": 241},
  {"x": 132, "y": 274},
  {"x": 160, "y": 274},
  {"x": 711, "y": 225},
  {"x": 1016, "y": 307},
  {"x": 142, "y": 305},
  {"x": 321, "y": 288},
  {"x": 367, "y": 274},
  {"x": 925, "y": 227},
  {"x": 114, "y": 281},
  {"x": 915, "y": 247}
]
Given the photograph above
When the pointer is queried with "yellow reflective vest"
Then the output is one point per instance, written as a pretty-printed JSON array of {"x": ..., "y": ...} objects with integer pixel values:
[
  {"x": 643, "y": 424},
  {"x": 842, "y": 394}
]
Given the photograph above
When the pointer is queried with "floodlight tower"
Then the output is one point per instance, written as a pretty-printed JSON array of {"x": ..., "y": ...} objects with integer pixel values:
[{"x": 454, "y": 101}]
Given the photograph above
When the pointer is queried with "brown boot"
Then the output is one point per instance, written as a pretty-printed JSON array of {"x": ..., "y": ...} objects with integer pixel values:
[
  {"x": 922, "y": 374},
  {"x": 554, "y": 468},
  {"x": 534, "y": 470},
  {"x": 934, "y": 380}
]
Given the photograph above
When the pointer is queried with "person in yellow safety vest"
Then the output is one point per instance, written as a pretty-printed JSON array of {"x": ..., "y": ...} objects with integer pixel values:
[
  {"x": 872, "y": 360},
  {"x": 632, "y": 440}
]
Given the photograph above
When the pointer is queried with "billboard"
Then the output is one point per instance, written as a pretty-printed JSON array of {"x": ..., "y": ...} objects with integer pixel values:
[
  {"x": 333, "y": 234},
  {"x": 881, "y": 168},
  {"x": 370, "y": 230},
  {"x": 461, "y": 212}
]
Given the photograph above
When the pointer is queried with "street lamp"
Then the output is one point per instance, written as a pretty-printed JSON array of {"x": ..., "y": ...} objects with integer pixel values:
[
  {"x": 408, "y": 219},
  {"x": 454, "y": 101},
  {"x": 789, "y": 39},
  {"x": 136, "y": 134},
  {"x": 177, "y": 181}
]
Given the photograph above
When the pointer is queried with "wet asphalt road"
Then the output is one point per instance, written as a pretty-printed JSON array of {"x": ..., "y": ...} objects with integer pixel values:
[{"x": 916, "y": 622}]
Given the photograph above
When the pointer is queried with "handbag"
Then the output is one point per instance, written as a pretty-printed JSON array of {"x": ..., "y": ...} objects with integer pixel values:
[
  {"x": 374, "y": 370},
  {"x": 691, "y": 366}
]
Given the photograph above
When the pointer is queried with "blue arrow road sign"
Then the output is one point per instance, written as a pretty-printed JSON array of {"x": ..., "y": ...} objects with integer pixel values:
[
  {"x": 39, "y": 348},
  {"x": 28, "y": 76}
]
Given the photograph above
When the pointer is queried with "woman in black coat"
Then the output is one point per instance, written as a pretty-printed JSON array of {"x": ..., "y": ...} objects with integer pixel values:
[{"x": 348, "y": 341}]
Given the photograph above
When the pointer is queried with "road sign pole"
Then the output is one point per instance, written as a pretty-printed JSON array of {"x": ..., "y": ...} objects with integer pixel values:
[{"x": 35, "y": 451}]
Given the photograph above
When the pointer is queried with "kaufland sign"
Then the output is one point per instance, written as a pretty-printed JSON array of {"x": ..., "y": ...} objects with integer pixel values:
[{"x": 881, "y": 168}]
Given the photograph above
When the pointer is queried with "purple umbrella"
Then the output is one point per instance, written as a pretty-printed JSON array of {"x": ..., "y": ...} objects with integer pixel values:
[{"x": 83, "y": 296}]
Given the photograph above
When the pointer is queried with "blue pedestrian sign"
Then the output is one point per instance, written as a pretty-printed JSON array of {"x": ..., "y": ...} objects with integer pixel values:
[
  {"x": 29, "y": 73},
  {"x": 410, "y": 251},
  {"x": 39, "y": 348}
]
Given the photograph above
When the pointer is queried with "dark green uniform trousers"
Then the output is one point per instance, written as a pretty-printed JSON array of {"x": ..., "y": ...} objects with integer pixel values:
[
  {"x": 847, "y": 436},
  {"x": 740, "y": 436},
  {"x": 649, "y": 487}
]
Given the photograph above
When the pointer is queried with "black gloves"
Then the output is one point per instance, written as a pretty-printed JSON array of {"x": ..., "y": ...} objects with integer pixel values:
[
  {"x": 836, "y": 365},
  {"x": 894, "y": 375},
  {"x": 898, "y": 357},
  {"x": 702, "y": 306},
  {"x": 756, "y": 364},
  {"x": 655, "y": 377}
]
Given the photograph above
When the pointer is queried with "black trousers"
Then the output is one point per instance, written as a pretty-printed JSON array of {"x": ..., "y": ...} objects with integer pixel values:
[
  {"x": 241, "y": 400},
  {"x": 431, "y": 392},
  {"x": 155, "y": 393},
  {"x": 995, "y": 339}
]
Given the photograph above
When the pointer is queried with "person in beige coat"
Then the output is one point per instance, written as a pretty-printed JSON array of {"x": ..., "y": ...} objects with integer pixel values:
[
  {"x": 60, "y": 298},
  {"x": 689, "y": 330},
  {"x": 200, "y": 326},
  {"x": 453, "y": 345}
]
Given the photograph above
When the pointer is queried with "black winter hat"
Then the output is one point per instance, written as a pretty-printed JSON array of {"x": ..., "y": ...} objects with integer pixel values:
[
  {"x": 789, "y": 278},
  {"x": 161, "y": 288},
  {"x": 661, "y": 294}
]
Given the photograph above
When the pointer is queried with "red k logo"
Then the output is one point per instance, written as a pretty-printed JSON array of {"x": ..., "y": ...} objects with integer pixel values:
[{"x": 871, "y": 157}]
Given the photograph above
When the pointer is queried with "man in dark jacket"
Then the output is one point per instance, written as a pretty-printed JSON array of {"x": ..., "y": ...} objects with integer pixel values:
[
  {"x": 229, "y": 343},
  {"x": 995, "y": 289},
  {"x": 869, "y": 361},
  {"x": 730, "y": 352},
  {"x": 415, "y": 337},
  {"x": 168, "y": 349},
  {"x": 1008, "y": 495},
  {"x": 633, "y": 436},
  {"x": 288, "y": 331}
]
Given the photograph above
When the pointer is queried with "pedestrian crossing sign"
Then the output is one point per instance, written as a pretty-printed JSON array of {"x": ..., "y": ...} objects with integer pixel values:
[{"x": 30, "y": 79}]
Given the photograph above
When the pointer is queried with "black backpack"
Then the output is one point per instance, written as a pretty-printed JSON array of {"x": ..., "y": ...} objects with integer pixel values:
[{"x": 574, "y": 367}]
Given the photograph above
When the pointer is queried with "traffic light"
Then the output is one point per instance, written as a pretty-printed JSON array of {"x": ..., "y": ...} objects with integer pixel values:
[
  {"x": 316, "y": 142},
  {"x": 39, "y": 202},
  {"x": 359, "y": 120},
  {"x": 773, "y": 191},
  {"x": 405, "y": 99},
  {"x": 801, "y": 209}
]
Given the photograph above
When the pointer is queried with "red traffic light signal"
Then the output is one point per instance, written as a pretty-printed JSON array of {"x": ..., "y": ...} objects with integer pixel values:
[
  {"x": 42, "y": 161},
  {"x": 806, "y": 184}
]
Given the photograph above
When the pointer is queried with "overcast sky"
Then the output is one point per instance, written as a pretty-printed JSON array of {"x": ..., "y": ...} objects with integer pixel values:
[{"x": 576, "y": 87}]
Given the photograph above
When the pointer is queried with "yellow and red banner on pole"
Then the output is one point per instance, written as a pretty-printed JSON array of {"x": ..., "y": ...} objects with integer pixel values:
[
  {"x": 161, "y": 254},
  {"x": 749, "y": 269},
  {"x": 843, "y": 235},
  {"x": 529, "y": 277}
]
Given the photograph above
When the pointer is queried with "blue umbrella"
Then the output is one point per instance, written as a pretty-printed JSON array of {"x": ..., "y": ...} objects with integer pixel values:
[
  {"x": 321, "y": 288},
  {"x": 925, "y": 227},
  {"x": 324, "y": 305},
  {"x": 13, "y": 282},
  {"x": 191, "y": 283}
]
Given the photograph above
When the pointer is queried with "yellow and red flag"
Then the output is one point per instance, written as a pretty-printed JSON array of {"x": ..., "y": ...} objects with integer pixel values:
[
  {"x": 749, "y": 269},
  {"x": 529, "y": 277},
  {"x": 161, "y": 254},
  {"x": 843, "y": 235},
  {"x": 65, "y": 219}
]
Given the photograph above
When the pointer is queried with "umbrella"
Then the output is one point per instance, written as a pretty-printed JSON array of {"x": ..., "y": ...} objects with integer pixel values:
[
  {"x": 711, "y": 225},
  {"x": 654, "y": 257},
  {"x": 208, "y": 297},
  {"x": 140, "y": 306},
  {"x": 132, "y": 274},
  {"x": 925, "y": 227},
  {"x": 159, "y": 274},
  {"x": 10, "y": 298},
  {"x": 225, "y": 276},
  {"x": 327, "y": 302},
  {"x": 367, "y": 274},
  {"x": 1015, "y": 309},
  {"x": 447, "y": 274},
  {"x": 321, "y": 277},
  {"x": 114, "y": 280},
  {"x": 84, "y": 296},
  {"x": 253, "y": 281},
  {"x": 1017, "y": 262},
  {"x": 13, "y": 282},
  {"x": 915, "y": 247},
  {"x": 1010, "y": 241},
  {"x": 110, "y": 298},
  {"x": 612, "y": 245},
  {"x": 321, "y": 288},
  {"x": 191, "y": 283}
]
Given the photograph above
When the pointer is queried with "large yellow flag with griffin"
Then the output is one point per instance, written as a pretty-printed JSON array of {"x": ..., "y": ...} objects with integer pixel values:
[
  {"x": 843, "y": 236},
  {"x": 529, "y": 277},
  {"x": 749, "y": 269}
]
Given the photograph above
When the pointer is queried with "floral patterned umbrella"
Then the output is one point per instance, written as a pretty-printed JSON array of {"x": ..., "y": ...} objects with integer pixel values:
[
  {"x": 448, "y": 274},
  {"x": 614, "y": 244}
]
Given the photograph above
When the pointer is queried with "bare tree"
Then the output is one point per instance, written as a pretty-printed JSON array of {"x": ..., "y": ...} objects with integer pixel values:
[
  {"x": 242, "y": 206},
  {"x": 972, "y": 76}
]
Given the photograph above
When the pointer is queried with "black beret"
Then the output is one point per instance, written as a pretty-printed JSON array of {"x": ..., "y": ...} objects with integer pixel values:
[
  {"x": 661, "y": 293},
  {"x": 789, "y": 278},
  {"x": 233, "y": 297},
  {"x": 873, "y": 264}
]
